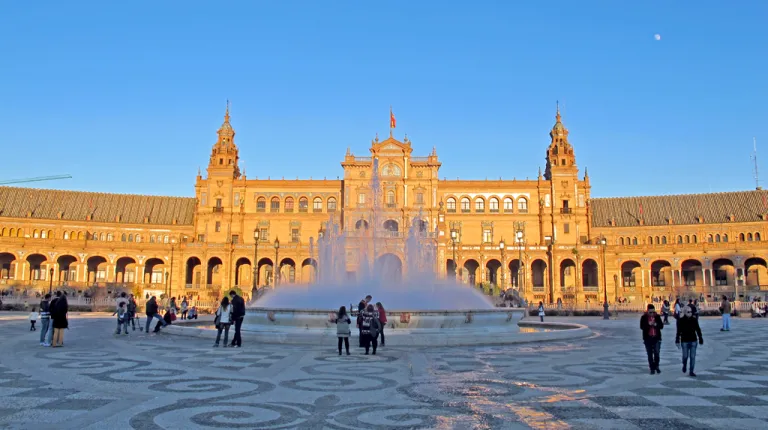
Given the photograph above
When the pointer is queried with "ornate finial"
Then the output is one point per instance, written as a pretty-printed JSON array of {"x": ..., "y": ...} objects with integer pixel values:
[
  {"x": 226, "y": 114},
  {"x": 377, "y": 137},
  {"x": 434, "y": 151},
  {"x": 586, "y": 174},
  {"x": 539, "y": 172},
  {"x": 557, "y": 116},
  {"x": 348, "y": 152},
  {"x": 198, "y": 170},
  {"x": 405, "y": 139}
]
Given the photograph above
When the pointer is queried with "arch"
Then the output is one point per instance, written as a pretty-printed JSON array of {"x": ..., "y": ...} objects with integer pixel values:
[
  {"x": 493, "y": 272},
  {"x": 723, "y": 272},
  {"x": 567, "y": 273},
  {"x": 470, "y": 271},
  {"x": 130, "y": 237},
  {"x": 420, "y": 225},
  {"x": 265, "y": 270},
  {"x": 493, "y": 204},
  {"x": 66, "y": 235},
  {"x": 261, "y": 204},
  {"x": 589, "y": 273},
  {"x": 391, "y": 226},
  {"x": 621, "y": 241},
  {"x": 155, "y": 271},
  {"x": 109, "y": 237},
  {"x": 317, "y": 204},
  {"x": 516, "y": 276},
  {"x": 663, "y": 240},
  {"x": 35, "y": 234},
  {"x": 479, "y": 204},
  {"x": 152, "y": 239},
  {"x": 309, "y": 270},
  {"x": 757, "y": 272},
  {"x": 2, "y": 232},
  {"x": 96, "y": 269},
  {"x": 193, "y": 273},
  {"x": 361, "y": 224},
  {"x": 288, "y": 205},
  {"x": 274, "y": 204},
  {"x": 465, "y": 204},
  {"x": 214, "y": 274},
  {"x": 694, "y": 239},
  {"x": 287, "y": 271},
  {"x": 630, "y": 270},
  {"x": 331, "y": 205},
  {"x": 303, "y": 204},
  {"x": 661, "y": 273},
  {"x": 450, "y": 204},
  {"x": 687, "y": 239},
  {"x": 12, "y": 232},
  {"x": 657, "y": 240},
  {"x": 388, "y": 268},
  {"x": 67, "y": 268},
  {"x": 690, "y": 271},
  {"x": 757, "y": 237},
  {"x": 243, "y": 272},
  {"x": 634, "y": 241},
  {"x": 679, "y": 239},
  {"x": 7, "y": 265},
  {"x": 717, "y": 238},
  {"x": 125, "y": 270},
  {"x": 37, "y": 269},
  {"x": 522, "y": 205},
  {"x": 741, "y": 237},
  {"x": 725, "y": 237},
  {"x": 538, "y": 273},
  {"x": 123, "y": 237},
  {"x": 43, "y": 234},
  {"x": 710, "y": 238},
  {"x": 509, "y": 205},
  {"x": 390, "y": 199}
]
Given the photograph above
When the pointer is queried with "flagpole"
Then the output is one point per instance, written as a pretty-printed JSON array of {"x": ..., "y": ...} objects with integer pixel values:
[{"x": 390, "y": 121}]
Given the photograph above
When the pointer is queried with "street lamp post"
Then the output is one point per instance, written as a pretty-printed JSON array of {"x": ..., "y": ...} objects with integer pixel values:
[
  {"x": 519, "y": 238},
  {"x": 454, "y": 239},
  {"x": 50, "y": 280},
  {"x": 606, "y": 311},
  {"x": 169, "y": 277},
  {"x": 503, "y": 264},
  {"x": 277, "y": 261},
  {"x": 255, "y": 262}
]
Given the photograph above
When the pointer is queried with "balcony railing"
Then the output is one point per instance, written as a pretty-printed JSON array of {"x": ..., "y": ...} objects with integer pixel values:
[
  {"x": 419, "y": 159},
  {"x": 218, "y": 209},
  {"x": 566, "y": 210}
]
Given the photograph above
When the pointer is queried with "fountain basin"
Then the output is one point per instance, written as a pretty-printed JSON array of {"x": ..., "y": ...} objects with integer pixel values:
[{"x": 404, "y": 328}]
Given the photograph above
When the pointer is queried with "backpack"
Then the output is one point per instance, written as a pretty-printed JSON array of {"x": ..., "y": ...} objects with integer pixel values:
[{"x": 375, "y": 327}]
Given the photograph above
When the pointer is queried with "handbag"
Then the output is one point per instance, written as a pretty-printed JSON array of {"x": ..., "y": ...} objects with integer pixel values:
[
  {"x": 216, "y": 321},
  {"x": 173, "y": 317}
]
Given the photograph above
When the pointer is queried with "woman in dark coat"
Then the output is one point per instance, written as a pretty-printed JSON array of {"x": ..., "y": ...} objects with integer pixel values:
[{"x": 59, "y": 309}]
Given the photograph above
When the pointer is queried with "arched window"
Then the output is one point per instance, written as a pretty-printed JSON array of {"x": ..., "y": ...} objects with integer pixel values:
[
  {"x": 101, "y": 237},
  {"x": 710, "y": 238},
  {"x": 695, "y": 239},
  {"x": 317, "y": 204},
  {"x": 289, "y": 204},
  {"x": 109, "y": 237},
  {"x": 741, "y": 237},
  {"x": 725, "y": 238},
  {"x": 43, "y": 234},
  {"x": 679, "y": 239},
  {"x": 465, "y": 204},
  {"x": 13, "y": 232},
  {"x": 663, "y": 240},
  {"x": 123, "y": 238},
  {"x": 450, "y": 205},
  {"x": 509, "y": 205},
  {"x": 717, "y": 238},
  {"x": 130, "y": 237},
  {"x": 165, "y": 239},
  {"x": 331, "y": 204},
  {"x": 687, "y": 239},
  {"x": 479, "y": 205},
  {"x": 621, "y": 241},
  {"x": 303, "y": 204},
  {"x": 522, "y": 206},
  {"x": 92, "y": 236},
  {"x": 66, "y": 235},
  {"x": 757, "y": 236},
  {"x": 749, "y": 237},
  {"x": 361, "y": 199},
  {"x": 152, "y": 239},
  {"x": 657, "y": 241},
  {"x": 493, "y": 204},
  {"x": 35, "y": 234},
  {"x": 20, "y": 233},
  {"x": 274, "y": 204},
  {"x": 261, "y": 204},
  {"x": 138, "y": 238}
]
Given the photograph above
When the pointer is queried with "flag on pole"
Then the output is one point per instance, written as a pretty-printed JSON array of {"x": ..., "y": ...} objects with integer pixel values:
[
  {"x": 392, "y": 120},
  {"x": 641, "y": 209}
]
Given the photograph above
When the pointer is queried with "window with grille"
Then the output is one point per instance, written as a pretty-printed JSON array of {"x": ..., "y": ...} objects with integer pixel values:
[
  {"x": 332, "y": 204},
  {"x": 295, "y": 235}
]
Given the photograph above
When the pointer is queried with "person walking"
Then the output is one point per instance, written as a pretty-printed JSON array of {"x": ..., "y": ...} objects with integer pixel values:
[
  {"x": 651, "y": 325},
  {"x": 688, "y": 332},
  {"x": 45, "y": 321},
  {"x": 665, "y": 311},
  {"x": 122, "y": 318},
  {"x": 725, "y": 309},
  {"x": 59, "y": 311},
  {"x": 33, "y": 319},
  {"x": 184, "y": 308},
  {"x": 382, "y": 320},
  {"x": 222, "y": 321},
  {"x": 370, "y": 329},
  {"x": 343, "y": 323},
  {"x": 151, "y": 309},
  {"x": 238, "y": 313},
  {"x": 678, "y": 308},
  {"x": 132, "y": 314},
  {"x": 541, "y": 311}
]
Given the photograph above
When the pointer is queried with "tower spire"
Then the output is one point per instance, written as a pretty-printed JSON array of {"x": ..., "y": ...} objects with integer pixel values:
[{"x": 226, "y": 114}]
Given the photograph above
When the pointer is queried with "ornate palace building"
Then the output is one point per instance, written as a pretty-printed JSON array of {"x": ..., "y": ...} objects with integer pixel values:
[{"x": 546, "y": 238}]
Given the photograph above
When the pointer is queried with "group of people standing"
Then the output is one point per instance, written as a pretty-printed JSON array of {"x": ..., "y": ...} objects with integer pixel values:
[
  {"x": 53, "y": 319},
  {"x": 231, "y": 311},
  {"x": 687, "y": 336},
  {"x": 370, "y": 325}
]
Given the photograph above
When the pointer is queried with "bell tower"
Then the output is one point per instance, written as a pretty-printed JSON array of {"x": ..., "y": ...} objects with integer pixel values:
[
  {"x": 561, "y": 160},
  {"x": 224, "y": 156}
]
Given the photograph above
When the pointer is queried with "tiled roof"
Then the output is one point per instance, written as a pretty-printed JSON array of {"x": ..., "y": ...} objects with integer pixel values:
[
  {"x": 103, "y": 207},
  {"x": 714, "y": 208}
]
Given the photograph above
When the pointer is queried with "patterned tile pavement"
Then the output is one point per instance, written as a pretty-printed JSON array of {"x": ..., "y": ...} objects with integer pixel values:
[{"x": 100, "y": 381}]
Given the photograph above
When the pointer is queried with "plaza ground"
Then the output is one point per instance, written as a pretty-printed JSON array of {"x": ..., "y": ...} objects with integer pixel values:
[{"x": 102, "y": 381}]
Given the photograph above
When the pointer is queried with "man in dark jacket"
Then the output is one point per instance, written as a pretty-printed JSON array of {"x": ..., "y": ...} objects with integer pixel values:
[
  {"x": 238, "y": 313},
  {"x": 688, "y": 332},
  {"x": 151, "y": 309},
  {"x": 651, "y": 325}
]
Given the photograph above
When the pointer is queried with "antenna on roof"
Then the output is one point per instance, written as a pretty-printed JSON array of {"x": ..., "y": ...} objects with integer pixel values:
[{"x": 754, "y": 159}]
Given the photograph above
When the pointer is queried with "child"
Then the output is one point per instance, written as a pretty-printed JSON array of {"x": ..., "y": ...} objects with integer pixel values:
[
  {"x": 32, "y": 320},
  {"x": 122, "y": 318}
]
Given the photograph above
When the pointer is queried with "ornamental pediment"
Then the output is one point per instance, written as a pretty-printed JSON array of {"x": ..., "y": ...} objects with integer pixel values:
[{"x": 390, "y": 146}]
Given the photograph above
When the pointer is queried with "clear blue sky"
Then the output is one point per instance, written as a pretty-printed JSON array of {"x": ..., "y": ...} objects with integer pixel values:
[{"x": 127, "y": 96}]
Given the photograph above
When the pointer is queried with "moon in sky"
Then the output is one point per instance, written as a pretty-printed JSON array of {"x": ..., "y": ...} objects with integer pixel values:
[{"x": 657, "y": 36}]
